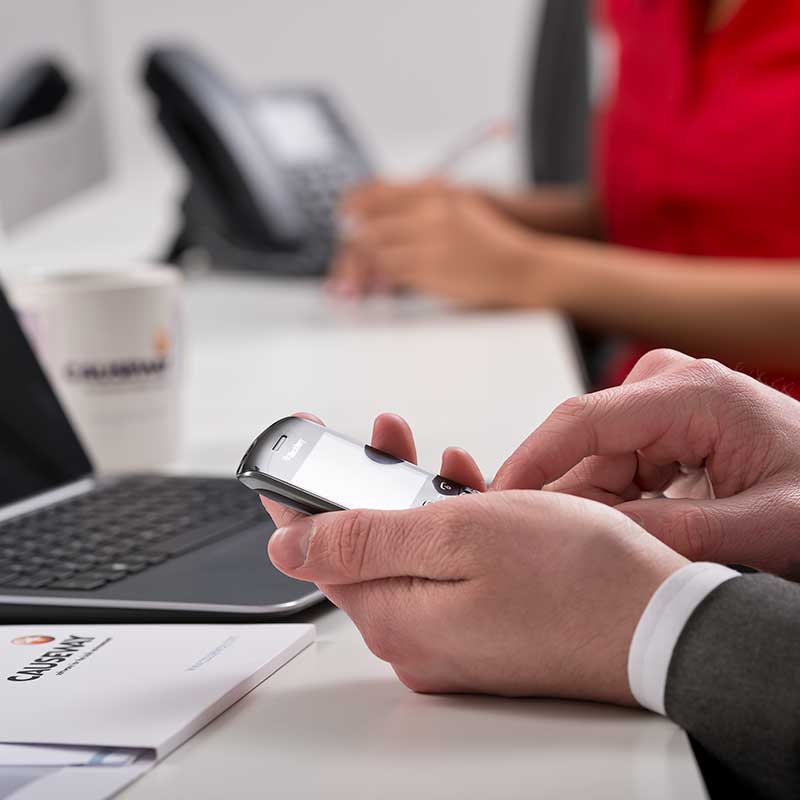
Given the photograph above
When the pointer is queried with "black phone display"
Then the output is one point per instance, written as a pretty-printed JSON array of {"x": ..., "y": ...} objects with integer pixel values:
[
  {"x": 265, "y": 171},
  {"x": 313, "y": 469}
]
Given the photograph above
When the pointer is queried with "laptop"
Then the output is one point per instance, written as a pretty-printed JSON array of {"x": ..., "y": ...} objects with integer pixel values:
[{"x": 138, "y": 548}]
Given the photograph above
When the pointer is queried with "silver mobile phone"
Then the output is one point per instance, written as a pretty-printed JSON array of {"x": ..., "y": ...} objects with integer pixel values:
[{"x": 312, "y": 469}]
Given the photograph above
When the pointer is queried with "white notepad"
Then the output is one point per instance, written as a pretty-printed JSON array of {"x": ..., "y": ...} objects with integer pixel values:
[{"x": 89, "y": 708}]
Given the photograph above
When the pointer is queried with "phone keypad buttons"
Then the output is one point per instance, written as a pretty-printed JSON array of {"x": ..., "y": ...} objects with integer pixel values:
[
  {"x": 452, "y": 490},
  {"x": 445, "y": 487}
]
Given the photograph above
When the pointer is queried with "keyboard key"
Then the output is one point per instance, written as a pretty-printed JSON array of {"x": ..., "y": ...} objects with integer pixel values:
[
  {"x": 106, "y": 574},
  {"x": 71, "y": 566},
  {"x": 155, "y": 558},
  {"x": 62, "y": 574},
  {"x": 193, "y": 539},
  {"x": 30, "y": 581},
  {"x": 79, "y": 584}
]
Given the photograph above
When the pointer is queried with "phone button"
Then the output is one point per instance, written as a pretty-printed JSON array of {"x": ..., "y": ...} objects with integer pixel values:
[{"x": 443, "y": 486}]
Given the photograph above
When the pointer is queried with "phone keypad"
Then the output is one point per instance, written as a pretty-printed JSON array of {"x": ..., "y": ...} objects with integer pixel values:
[
  {"x": 446, "y": 489},
  {"x": 319, "y": 187}
]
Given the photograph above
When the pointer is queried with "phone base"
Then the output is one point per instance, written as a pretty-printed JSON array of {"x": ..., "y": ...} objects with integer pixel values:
[{"x": 201, "y": 239}]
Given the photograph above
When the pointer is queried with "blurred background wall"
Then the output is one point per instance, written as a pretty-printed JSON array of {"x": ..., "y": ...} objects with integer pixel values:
[
  {"x": 42, "y": 165},
  {"x": 64, "y": 28},
  {"x": 414, "y": 75}
]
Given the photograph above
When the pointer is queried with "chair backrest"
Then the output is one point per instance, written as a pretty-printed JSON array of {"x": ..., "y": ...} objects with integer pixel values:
[{"x": 559, "y": 95}]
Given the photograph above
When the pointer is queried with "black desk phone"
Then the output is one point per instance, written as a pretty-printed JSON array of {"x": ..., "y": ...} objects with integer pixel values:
[{"x": 266, "y": 171}]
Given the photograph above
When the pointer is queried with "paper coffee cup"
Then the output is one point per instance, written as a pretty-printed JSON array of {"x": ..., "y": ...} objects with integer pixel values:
[{"x": 109, "y": 342}]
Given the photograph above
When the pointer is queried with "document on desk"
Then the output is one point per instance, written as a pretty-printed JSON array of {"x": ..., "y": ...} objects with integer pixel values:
[{"x": 87, "y": 709}]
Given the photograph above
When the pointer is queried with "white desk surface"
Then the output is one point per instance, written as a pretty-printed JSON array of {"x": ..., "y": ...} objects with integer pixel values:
[
  {"x": 335, "y": 722},
  {"x": 261, "y": 349}
]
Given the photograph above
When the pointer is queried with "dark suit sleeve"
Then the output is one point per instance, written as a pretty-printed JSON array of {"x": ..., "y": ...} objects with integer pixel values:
[{"x": 734, "y": 683}]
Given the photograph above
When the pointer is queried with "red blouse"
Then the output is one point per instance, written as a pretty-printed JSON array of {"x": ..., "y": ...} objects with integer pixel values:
[{"x": 699, "y": 146}]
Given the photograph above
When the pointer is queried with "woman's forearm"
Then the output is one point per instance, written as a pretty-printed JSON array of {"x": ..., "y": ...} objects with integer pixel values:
[
  {"x": 739, "y": 311},
  {"x": 567, "y": 211}
]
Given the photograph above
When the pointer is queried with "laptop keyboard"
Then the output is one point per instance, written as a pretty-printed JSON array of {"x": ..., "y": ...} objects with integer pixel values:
[{"x": 123, "y": 529}]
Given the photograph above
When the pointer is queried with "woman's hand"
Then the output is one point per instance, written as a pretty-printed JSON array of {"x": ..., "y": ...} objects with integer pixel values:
[
  {"x": 676, "y": 415},
  {"x": 442, "y": 240},
  {"x": 511, "y": 593}
]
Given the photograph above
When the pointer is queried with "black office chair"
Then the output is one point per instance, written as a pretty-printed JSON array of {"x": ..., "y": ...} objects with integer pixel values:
[
  {"x": 558, "y": 123},
  {"x": 558, "y": 95}
]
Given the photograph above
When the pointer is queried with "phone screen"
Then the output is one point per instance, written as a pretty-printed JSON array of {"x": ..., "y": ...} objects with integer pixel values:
[
  {"x": 298, "y": 130},
  {"x": 350, "y": 475}
]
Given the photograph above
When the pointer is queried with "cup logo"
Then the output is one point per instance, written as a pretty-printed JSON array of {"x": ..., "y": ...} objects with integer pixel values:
[
  {"x": 161, "y": 343},
  {"x": 33, "y": 640},
  {"x": 147, "y": 369}
]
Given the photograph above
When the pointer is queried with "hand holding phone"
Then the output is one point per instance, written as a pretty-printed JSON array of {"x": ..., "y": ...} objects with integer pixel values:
[{"x": 299, "y": 464}]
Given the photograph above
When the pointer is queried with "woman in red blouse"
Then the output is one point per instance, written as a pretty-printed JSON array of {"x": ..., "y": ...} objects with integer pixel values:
[{"x": 689, "y": 236}]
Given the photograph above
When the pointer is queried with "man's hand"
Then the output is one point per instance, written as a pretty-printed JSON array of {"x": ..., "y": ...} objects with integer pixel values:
[
  {"x": 674, "y": 415},
  {"x": 512, "y": 593},
  {"x": 440, "y": 239}
]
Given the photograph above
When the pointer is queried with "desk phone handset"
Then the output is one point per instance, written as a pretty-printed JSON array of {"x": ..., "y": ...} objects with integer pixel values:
[{"x": 266, "y": 171}]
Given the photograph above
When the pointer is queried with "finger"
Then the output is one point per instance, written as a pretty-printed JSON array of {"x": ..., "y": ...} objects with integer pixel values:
[
  {"x": 353, "y": 546},
  {"x": 393, "y": 435},
  {"x": 750, "y": 528},
  {"x": 614, "y": 479},
  {"x": 280, "y": 514},
  {"x": 605, "y": 479},
  {"x": 396, "y": 265},
  {"x": 610, "y": 479},
  {"x": 657, "y": 362},
  {"x": 351, "y": 274},
  {"x": 395, "y": 230},
  {"x": 655, "y": 477},
  {"x": 380, "y": 283},
  {"x": 459, "y": 466},
  {"x": 678, "y": 417},
  {"x": 309, "y": 416},
  {"x": 407, "y": 266}
]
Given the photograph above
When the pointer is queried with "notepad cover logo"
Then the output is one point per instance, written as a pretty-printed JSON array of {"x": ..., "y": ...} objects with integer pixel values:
[
  {"x": 51, "y": 658},
  {"x": 33, "y": 640}
]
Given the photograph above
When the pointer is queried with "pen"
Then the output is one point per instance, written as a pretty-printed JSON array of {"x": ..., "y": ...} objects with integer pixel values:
[
  {"x": 473, "y": 140},
  {"x": 476, "y": 138}
]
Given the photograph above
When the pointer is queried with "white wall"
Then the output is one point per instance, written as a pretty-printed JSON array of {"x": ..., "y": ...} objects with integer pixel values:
[
  {"x": 45, "y": 163},
  {"x": 415, "y": 74},
  {"x": 62, "y": 28}
]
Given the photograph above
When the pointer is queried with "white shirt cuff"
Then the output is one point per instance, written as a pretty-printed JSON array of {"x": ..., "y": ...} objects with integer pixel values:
[{"x": 661, "y": 625}]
